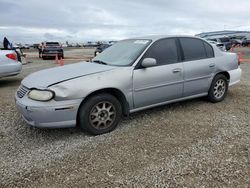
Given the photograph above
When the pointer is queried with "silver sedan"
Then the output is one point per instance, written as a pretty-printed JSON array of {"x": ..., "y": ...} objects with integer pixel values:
[
  {"x": 9, "y": 65},
  {"x": 130, "y": 76}
]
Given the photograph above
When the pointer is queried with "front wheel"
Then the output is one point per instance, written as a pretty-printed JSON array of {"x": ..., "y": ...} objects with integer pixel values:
[
  {"x": 218, "y": 89},
  {"x": 100, "y": 114}
]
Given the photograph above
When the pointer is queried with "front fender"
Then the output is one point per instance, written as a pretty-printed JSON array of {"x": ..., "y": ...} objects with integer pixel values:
[{"x": 80, "y": 88}]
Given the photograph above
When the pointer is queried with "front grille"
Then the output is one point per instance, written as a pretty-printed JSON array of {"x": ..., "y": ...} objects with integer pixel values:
[{"x": 22, "y": 91}]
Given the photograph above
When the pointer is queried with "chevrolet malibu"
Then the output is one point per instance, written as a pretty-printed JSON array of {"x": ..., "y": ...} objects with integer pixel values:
[{"x": 130, "y": 76}]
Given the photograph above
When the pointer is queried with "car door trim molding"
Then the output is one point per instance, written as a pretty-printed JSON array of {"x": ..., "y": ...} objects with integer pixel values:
[
  {"x": 199, "y": 78},
  {"x": 168, "y": 102},
  {"x": 157, "y": 86}
]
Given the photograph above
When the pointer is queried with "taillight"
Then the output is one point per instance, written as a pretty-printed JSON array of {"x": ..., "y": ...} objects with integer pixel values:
[{"x": 12, "y": 56}]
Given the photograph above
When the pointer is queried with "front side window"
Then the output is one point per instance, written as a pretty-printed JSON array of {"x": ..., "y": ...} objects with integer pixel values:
[
  {"x": 164, "y": 51},
  {"x": 193, "y": 49}
]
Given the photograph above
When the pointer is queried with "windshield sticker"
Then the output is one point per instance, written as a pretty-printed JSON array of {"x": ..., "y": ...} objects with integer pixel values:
[{"x": 141, "y": 42}]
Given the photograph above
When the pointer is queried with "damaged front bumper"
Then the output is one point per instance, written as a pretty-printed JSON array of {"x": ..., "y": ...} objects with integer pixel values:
[{"x": 51, "y": 114}]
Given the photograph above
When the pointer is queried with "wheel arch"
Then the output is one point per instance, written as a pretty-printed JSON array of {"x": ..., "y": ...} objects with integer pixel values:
[
  {"x": 113, "y": 91},
  {"x": 225, "y": 73}
]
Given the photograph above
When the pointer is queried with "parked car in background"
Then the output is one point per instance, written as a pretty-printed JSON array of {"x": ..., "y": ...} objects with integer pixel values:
[
  {"x": 26, "y": 46},
  {"x": 237, "y": 40},
  {"x": 64, "y": 45},
  {"x": 224, "y": 40},
  {"x": 219, "y": 45},
  {"x": 90, "y": 44},
  {"x": 130, "y": 76},
  {"x": 35, "y": 46},
  {"x": 78, "y": 45},
  {"x": 101, "y": 48},
  {"x": 9, "y": 64},
  {"x": 50, "y": 49},
  {"x": 17, "y": 45},
  {"x": 246, "y": 41}
]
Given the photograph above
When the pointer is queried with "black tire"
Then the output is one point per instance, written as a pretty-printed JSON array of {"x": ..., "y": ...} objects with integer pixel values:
[
  {"x": 218, "y": 91},
  {"x": 98, "y": 121}
]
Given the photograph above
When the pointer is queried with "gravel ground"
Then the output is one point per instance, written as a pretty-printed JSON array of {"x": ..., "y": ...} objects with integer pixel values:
[{"x": 187, "y": 144}]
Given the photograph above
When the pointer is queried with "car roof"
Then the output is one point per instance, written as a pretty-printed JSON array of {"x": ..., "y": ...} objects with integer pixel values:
[{"x": 158, "y": 37}]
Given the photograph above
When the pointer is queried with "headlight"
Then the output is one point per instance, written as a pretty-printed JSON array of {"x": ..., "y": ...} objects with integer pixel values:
[{"x": 41, "y": 95}]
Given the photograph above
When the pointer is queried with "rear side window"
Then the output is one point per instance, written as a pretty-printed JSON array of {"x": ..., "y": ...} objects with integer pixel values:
[
  {"x": 194, "y": 49},
  {"x": 209, "y": 50},
  {"x": 164, "y": 51}
]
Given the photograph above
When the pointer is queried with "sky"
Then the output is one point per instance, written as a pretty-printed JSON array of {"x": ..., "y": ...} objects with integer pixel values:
[{"x": 30, "y": 21}]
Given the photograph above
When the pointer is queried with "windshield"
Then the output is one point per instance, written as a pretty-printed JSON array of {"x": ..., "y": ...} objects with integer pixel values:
[{"x": 123, "y": 53}]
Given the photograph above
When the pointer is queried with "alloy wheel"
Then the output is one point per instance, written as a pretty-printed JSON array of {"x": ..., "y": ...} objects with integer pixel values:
[
  {"x": 102, "y": 115},
  {"x": 219, "y": 88}
]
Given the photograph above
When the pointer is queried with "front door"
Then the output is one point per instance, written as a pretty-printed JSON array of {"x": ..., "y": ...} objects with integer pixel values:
[{"x": 162, "y": 82}]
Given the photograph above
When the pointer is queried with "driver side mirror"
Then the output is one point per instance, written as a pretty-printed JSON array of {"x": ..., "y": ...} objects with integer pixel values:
[{"x": 148, "y": 62}]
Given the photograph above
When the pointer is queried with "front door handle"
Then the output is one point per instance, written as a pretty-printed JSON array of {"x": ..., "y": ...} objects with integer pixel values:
[
  {"x": 176, "y": 70},
  {"x": 212, "y": 65}
]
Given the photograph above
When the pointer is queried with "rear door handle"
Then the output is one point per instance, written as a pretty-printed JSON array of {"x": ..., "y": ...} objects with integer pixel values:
[
  {"x": 212, "y": 65},
  {"x": 176, "y": 70}
]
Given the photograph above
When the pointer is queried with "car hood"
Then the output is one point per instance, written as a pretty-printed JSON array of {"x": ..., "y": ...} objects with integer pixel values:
[{"x": 52, "y": 76}]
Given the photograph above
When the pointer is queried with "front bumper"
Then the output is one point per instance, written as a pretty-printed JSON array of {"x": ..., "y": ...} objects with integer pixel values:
[{"x": 52, "y": 114}]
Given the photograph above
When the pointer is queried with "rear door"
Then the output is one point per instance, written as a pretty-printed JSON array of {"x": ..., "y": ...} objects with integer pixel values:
[
  {"x": 162, "y": 82},
  {"x": 199, "y": 65}
]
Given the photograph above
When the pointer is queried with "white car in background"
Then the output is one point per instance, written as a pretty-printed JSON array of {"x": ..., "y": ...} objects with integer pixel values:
[
  {"x": 9, "y": 64},
  {"x": 218, "y": 44}
]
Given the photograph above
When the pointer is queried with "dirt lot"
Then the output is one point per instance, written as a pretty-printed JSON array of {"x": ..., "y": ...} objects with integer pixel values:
[{"x": 187, "y": 144}]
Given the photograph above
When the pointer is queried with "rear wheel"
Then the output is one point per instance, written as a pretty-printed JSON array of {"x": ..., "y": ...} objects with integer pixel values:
[
  {"x": 100, "y": 114},
  {"x": 218, "y": 89}
]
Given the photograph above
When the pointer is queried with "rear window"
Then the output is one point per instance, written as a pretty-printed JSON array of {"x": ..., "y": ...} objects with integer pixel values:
[
  {"x": 52, "y": 44},
  {"x": 193, "y": 49}
]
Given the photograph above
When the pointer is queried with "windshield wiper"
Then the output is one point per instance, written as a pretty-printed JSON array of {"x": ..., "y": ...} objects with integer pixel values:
[{"x": 100, "y": 62}]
